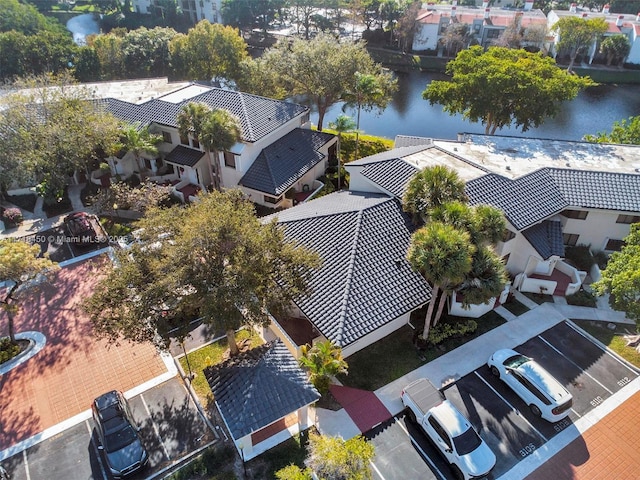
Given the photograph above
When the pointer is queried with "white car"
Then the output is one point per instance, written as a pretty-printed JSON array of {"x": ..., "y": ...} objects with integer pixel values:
[
  {"x": 458, "y": 442},
  {"x": 545, "y": 396}
]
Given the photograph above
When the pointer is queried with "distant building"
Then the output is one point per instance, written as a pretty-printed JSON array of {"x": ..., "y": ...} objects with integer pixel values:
[
  {"x": 628, "y": 25},
  {"x": 196, "y": 10}
]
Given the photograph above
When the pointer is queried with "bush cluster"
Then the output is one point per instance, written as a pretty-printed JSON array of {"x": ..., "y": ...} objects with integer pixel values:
[
  {"x": 580, "y": 256},
  {"x": 8, "y": 349},
  {"x": 582, "y": 298},
  {"x": 444, "y": 330},
  {"x": 12, "y": 216},
  {"x": 214, "y": 463}
]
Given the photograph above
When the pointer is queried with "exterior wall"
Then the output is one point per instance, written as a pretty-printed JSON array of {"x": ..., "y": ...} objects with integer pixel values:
[
  {"x": 196, "y": 10},
  {"x": 519, "y": 251},
  {"x": 376, "y": 335},
  {"x": 597, "y": 228},
  {"x": 358, "y": 183},
  {"x": 426, "y": 38}
]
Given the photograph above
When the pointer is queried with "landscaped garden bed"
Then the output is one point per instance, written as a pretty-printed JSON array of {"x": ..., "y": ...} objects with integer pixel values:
[
  {"x": 612, "y": 338},
  {"x": 516, "y": 307},
  {"x": 25, "y": 202},
  {"x": 539, "y": 298}
]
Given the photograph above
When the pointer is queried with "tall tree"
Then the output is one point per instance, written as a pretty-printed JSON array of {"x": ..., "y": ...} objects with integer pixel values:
[
  {"x": 624, "y": 131},
  {"x": 577, "y": 34},
  {"x": 52, "y": 130},
  {"x": 407, "y": 26},
  {"x": 146, "y": 52},
  {"x": 216, "y": 130},
  {"x": 337, "y": 459},
  {"x": 323, "y": 70},
  {"x": 429, "y": 189},
  {"x": 342, "y": 125},
  {"x": 443, "y": 255},
  {"x": 621, "y": 277},
  {"x": 501, "y": 87},
  {"x": 615, "y": 47},
  {"x": 20, "y": 264},
  {"x": 456, "y": 37},
  {"x": 211, "y": 52},
  {"x": 220, "y": 263}
]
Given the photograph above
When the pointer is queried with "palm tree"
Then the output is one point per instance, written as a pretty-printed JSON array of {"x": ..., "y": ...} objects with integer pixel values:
[
  {"x": 443, "y": 255},
  {"x": 216, "y": 130},
  {"x": 343, "y": 124},
  {"x": 322, "y": 361},
  {"x": 138, "y": 140},
  {"x": 429, "y": 189},
  {"x": 485, "y": 280}
]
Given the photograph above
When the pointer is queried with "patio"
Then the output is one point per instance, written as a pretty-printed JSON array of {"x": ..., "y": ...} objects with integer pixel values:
[
  {"x": 562, "y": 280},
  {"x": 299, "y": 329}
]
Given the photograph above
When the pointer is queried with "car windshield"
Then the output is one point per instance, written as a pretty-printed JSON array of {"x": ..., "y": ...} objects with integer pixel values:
[
  {"x": 467, "y": 442},
  {"x": 120, "y": 438},
  {"x": 515, "y": 361}
]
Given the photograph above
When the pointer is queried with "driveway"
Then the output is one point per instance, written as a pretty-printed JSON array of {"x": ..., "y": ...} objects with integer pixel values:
[
  {"x": 74, "y": 367},
  {"x": 590, "y": 373},
  {"x": 171, "y": 429}
]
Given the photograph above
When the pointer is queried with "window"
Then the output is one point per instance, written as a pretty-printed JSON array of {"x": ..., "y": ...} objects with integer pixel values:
[
  {"x": 493, "y": 33},
  {"x": 273, "y": 200},
  {"x": 505, "y": 259},
  {"x": 229, "y": 160},
  {"x": 570, "y": 239},
  {"x": 577, "y": 214},
  {"x": 304, "y": 119},
  {"x": 507, "y": 235},
  {"x": 166, "y": 137},
  {"x": 628, "y": 219},
  {"x": 184, "y": 140},
  {"x": 614, "y": 245},
  {"x": 195, "y": 143},
  {"x": 440, "y": 431}
]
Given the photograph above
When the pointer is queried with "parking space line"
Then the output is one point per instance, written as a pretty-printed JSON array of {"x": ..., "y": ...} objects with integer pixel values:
[
  {"x": 155, "y": 428},
  {"x": 95, "y": 448},
  {"x": 424, "y": 454},
  {"x": 512, "y": 407},
  {"x": 576, "y": 365},
  {"x": 26, "y": 465},
  {"x": 601, "y": 347},
  {"x": 376, "y": 470}
]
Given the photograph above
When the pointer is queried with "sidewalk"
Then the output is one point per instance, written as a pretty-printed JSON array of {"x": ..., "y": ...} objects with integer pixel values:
[{"x": 589, "y": 435}]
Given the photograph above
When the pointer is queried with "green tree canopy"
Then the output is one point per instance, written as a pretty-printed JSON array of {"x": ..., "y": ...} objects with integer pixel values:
[
  {"x": 501, "y": 87},
  {"x": 20, "y": 264},
  {"x": 323, "y": 361},
  {"x": 323, "y": 70},
  {"x": 218, "y": 262},
  {"x": 208, "y": 52},
  {"x": 52, "y": 130},
  {"x": 333, "y": 458},
  {"x": 146, "y": 52},
  {"x": 621, "y": 277},
  {"x": 577, "y": 34},
  {"x": 624, "y": 132},
  {"x": 615, "y": 47}
]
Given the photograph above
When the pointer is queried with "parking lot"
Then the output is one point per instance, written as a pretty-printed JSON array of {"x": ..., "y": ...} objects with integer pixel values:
[
  {"x": 171, "y": 428},
  {"x": 590, "y": 373}
]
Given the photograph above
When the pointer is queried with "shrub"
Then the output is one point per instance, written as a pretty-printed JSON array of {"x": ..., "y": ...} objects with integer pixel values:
[
  {"x": 214, "y": 461},
  {"x": 444, "y": 330},
  {"x": 8, "y": 349},
  {"x": 601, "y": 258},
  {"x": 580, "y": 256},
  {"x": 12, "y": 216},
  {"x": 582, "y": 298}
]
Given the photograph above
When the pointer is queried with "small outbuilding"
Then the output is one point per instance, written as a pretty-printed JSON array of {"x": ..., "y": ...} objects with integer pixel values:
[{"x": 263, "y": 397}]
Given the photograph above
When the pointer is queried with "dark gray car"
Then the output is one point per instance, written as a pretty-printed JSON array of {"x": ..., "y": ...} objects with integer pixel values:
[{"x": 118, "y": 434}]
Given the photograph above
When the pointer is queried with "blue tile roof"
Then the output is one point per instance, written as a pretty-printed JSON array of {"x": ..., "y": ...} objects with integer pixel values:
[
  {"x": 182, "y": 155},
  {"x": 259, "y": 387},
  {"x": 365, "y": 280},
  {"x": 546, "y": 238},
  {"x": 285, "y": 161},
  {"x": 259, "y": 116}
]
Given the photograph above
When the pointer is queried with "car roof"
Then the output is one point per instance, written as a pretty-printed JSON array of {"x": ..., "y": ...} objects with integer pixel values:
[
  {"x": 106, "y": 400},
  {"x": 543, "y": 380},
  {"x": 450, "y": 418}
]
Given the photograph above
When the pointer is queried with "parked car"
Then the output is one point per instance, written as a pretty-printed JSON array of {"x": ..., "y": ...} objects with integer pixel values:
[
  {"x": 545, "y": 396},
  {"x": 452, "y": 434},
  {"x": 118, "y": 434}
]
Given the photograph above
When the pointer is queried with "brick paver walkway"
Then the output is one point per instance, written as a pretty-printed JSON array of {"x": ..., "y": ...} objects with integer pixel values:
[
  {"x": 73, "y": 367},
  {"x": 608, "y": 450}
]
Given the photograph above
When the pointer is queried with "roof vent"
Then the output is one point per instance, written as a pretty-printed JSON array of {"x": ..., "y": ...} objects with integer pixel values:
[
  {"x": 508, "y": 168},
  {"x": 568, "y": 164},
  {"x": 398, "y": 262}
]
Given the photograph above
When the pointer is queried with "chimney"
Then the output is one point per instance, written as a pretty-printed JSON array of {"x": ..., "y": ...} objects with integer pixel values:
[
  {"x": 619, "y": 21},
  {"x": 486, "y": 12},
  {"x": 573, "y": 7},
  {"x": 485, "y": 3},
  {"x": 605, "y": 9},
  {"x": 528, "y": 5},
  {"x": 453, "y": 11}
]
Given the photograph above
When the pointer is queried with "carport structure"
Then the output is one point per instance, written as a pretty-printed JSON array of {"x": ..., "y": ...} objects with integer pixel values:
[{"x": 263, "y": 397}]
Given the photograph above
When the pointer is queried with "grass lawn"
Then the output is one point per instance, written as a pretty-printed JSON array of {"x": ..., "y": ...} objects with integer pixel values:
[
  {"x": 211, "y": 355},
  {"x": 538, "y": 298},
  {"x": 395, "y": 355},
  {"x": 612, "y": 339},
  {"x": 515, "y": 307}
]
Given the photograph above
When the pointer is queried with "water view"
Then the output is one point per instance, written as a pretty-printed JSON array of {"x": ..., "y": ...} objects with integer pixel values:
[
  {"x": 81, "y": 26},
  {"x": 594, "y": 110}
]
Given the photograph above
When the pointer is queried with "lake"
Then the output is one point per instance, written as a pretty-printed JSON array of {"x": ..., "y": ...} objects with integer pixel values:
[
  {"x": 594, "y": 110},
  {"x": 81, "y": 26}
]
